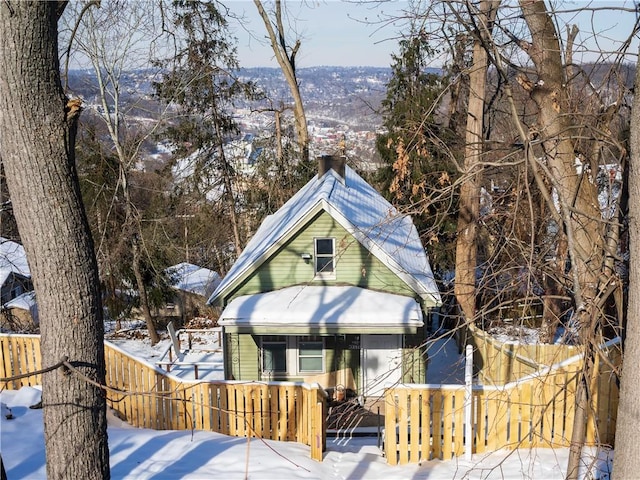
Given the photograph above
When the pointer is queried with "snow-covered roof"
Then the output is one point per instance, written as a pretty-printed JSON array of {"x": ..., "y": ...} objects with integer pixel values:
[
  {"x": 26, "y": 301},
  {"x": 362, "y": 211},
  {"x": 12, "y": 260},
  {"x": 320, "y": 307},
  {"x": 194, "y": 279}
]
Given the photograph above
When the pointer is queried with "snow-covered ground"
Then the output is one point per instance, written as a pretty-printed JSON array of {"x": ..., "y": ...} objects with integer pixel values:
[
  {"x": 148, "y": 454},
  {"x": 445, "y": 364}
]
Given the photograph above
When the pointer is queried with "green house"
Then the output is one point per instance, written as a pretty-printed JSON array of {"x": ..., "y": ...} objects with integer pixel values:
[{"x": 333, "y": 288}]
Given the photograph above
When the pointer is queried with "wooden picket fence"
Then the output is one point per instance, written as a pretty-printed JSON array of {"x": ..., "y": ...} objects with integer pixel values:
[
  {"x": 428, "y": 420},
  {"x": 498, "y": 363},
  {"x": 147, "y": 397},
  {"x": 20, "y": 355},
  {"x": 535, "y": 411}
]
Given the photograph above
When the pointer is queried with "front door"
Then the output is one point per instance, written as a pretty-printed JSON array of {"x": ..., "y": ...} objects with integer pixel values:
[{"x": 381, "y": 362}]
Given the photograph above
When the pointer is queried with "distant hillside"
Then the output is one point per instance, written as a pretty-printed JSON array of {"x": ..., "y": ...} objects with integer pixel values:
[{"x": 333, "y": 95}]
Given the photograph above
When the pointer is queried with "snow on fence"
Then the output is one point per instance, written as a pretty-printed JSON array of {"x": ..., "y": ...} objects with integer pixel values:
[
  {"x": 193, "y": 352},
  {"x": 145, "y": 396},
  {"x": 498, "y": 362},
  {"x": 535, "y": 411},
  {"x": 428, "y": 420}
]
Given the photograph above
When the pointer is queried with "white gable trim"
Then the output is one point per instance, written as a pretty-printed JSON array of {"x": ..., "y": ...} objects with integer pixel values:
[
  {"x": 341, "y": 201},
  {"x": 383, "y": 256},
  {"x": 271, "y": 250},
  {"x": 320, "y": 206}
]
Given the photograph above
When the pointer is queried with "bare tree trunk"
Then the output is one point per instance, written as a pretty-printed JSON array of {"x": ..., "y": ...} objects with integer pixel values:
[
  {"x": 142, "y": 291},
  {"x": 551, "y": 309},
  {"x": 37, "y": 140},
  {"x": 456, "y": 110},
  {"x": 627, "y": 460},
  {"x": 107, "y": 61},
  {"x": 278, "y": 126},
  {"x": 132, "y": 227},
  {"x": 233, "y": 214},
  {"x": 287, "y": 62},
  {"x": 578, "y": 197},
  {"x": 227, "y": 171},
  {"x": 577, "y": 194},
  {"x": 466, "y": 248}
]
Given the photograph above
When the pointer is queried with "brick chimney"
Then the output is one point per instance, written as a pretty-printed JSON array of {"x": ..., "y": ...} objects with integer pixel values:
[{"x": 326, "y": 162}]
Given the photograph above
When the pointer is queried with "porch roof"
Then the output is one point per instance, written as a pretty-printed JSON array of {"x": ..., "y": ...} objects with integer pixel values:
[{"x": 306, "y": 309}]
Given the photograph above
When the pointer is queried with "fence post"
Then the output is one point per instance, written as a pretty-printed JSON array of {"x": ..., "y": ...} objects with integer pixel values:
[
  {"x": 468, "y": 401},
  {"x": 316, "y": 411}
]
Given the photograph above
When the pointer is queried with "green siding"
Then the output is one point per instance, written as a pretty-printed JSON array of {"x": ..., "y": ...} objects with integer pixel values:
[
  {"x": 349, "y": 357},
  {"x": 414, "y": 365},
  {"x": 244, "y": 359},
  {"x": 414, "y": 356},
  {"x": 355, "y": 265}
]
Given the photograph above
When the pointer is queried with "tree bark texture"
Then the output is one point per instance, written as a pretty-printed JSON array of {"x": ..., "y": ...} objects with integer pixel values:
[
  {"x": 578, "y": 198},
  {"x": 467, "y": 230},
  {"x": 626, "y": 464},
  {"x": 133, "y": 228},
  {"x": 577, "y": 192},
  {"x": 37, "y": 130}
]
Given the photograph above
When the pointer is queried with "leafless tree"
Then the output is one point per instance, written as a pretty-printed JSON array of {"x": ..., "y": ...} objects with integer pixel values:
[
  {"x": 116, "y": 39},
  {"x": 627, "y": 460},
  {"x": 469, "y": 207},
  {"x": 562, "y": 133},
  {"x": 286, "y": 56}
]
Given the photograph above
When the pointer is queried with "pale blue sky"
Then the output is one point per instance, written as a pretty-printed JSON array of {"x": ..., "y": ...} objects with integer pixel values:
[
  {"x": 331, "y": 33},
  {"x": 339, "y": 33}
]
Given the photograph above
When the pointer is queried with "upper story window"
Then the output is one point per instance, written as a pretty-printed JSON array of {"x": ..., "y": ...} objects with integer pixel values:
[{"x": 325, "y": 257}]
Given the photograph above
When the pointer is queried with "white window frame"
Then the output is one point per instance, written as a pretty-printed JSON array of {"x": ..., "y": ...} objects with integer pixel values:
[
  {"x": 319, "y": 273},
  {"x": 310, "y": 339},
  {"x": 292, "y": 356}
]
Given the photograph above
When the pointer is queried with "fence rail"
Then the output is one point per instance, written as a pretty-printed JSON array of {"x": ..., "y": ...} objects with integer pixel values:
[
  {"x": 422, "y": 422},
  {"x": 500, "y": 363},
  {"x": 535, "y": 411},
  {"x": 146, "y": 396},
  {"x": 20, "y": 356}
]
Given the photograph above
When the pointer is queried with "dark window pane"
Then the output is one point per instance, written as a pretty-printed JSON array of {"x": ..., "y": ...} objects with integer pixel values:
[
  {"x": 324, "y": 265},
  {"x": 324, "y": 246},
  {"x": 274, "y": 357}
]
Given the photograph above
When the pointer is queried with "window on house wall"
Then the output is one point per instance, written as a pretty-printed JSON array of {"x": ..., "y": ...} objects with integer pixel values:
[
  {"x": 325, "y": 257},
  {"x": 311, "y": 355},
  {"x": 292, "y": 355},
  {"x": 16, "y": 291},
  {"x": 274, "y": 354}
]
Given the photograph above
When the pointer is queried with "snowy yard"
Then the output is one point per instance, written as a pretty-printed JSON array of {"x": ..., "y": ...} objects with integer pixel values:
[
  {"x": 445, "y": 364},
  {"x": 148, "y": 454}
]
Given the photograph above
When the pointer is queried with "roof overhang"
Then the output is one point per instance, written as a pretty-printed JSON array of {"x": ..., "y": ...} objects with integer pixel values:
[
  {"x": 431, "y": 297},
  {"x": 217, "y": 298},
  {"x": 309, "y": 310}
]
